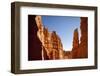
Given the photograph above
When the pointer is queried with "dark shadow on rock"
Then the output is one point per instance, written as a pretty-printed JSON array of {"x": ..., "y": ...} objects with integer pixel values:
[
  {"x": 34, "y": 44},
  {"x": 45, "y": 54}
]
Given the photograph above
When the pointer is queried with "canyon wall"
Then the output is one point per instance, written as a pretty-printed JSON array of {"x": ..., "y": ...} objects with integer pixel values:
[
  {"x": 50, "y": 42},
  {"x": 45, "y": 45},
  {"x": 80, "y": 50}
]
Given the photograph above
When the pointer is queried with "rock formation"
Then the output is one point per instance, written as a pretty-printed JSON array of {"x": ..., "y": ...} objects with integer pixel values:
[
  {"x": 75, "y": 44},
  {"x": 34, "y": 43},
  {"x": 84, "y": 38},
  {"x": 51, "y": 46},
  {"x": 80, "y": 50},
  {"x": 76, "y": 39},
  {"x": 45, "y": 45},
  {"x": 67, "y": 54},
  {"x": 56, "y": 46}
]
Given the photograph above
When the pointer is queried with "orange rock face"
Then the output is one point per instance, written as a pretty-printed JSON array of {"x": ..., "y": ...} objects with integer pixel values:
[
  {"x": 84, "y": 38},
  {"x": 75, "y": 44},
  {"x": 80, "y": 50},
  {"x": 76, "y": 39},
  {"x": 45, "y": 45},
  {"x": 51, "y": 43}
]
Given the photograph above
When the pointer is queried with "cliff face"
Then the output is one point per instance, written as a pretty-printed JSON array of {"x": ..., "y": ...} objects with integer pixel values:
[
  {"x": 45, "y": 45},
  {"x": 34, "y": 43},
  {"x": 51, "y": 43},
  {"x": 84, "y": 38},
  {"x": 81, "y": 50}
]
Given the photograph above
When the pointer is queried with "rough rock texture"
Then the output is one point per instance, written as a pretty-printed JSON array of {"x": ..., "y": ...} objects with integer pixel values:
[
  {"x": 76, "y": 39},
  {"x": 67, "y": 55},
  {"x": 84, "y": 38},
  {"x": 34, "y": 43},
  {"x": 75, "y": 44},
  {"x": 56, "y": 45},
  {"x": 81, "y": 50},
  {"x": 45, "y": 45},
  {"x": 51, "y": 44}
]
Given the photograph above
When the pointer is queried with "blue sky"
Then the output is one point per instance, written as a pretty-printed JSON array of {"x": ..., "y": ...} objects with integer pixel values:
[{"x": 64, "y": 27}]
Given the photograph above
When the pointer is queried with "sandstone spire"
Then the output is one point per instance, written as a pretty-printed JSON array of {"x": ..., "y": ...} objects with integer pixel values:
[
  {"x": 76, "y": 39},
  {"x": 84, "y": 37},
  {"x": 81, "y": 50},
  {"x": 84, "y": 29},
  {"x": 75, "y": 44}
]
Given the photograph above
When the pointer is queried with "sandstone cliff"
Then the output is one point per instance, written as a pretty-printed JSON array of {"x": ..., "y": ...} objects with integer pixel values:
[
  {"x": 45, "y": 45},
  {"x": 80, "y": 50}
]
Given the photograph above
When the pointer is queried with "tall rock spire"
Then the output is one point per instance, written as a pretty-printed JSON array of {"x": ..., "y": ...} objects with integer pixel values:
[
  {"x": 80, "y": 50},
  {"x": 84, "y": 29},
  {"x": 76, "y": 39},
  {"x": 84, "y": 37},
  {"x": 75, "y": 44}
]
